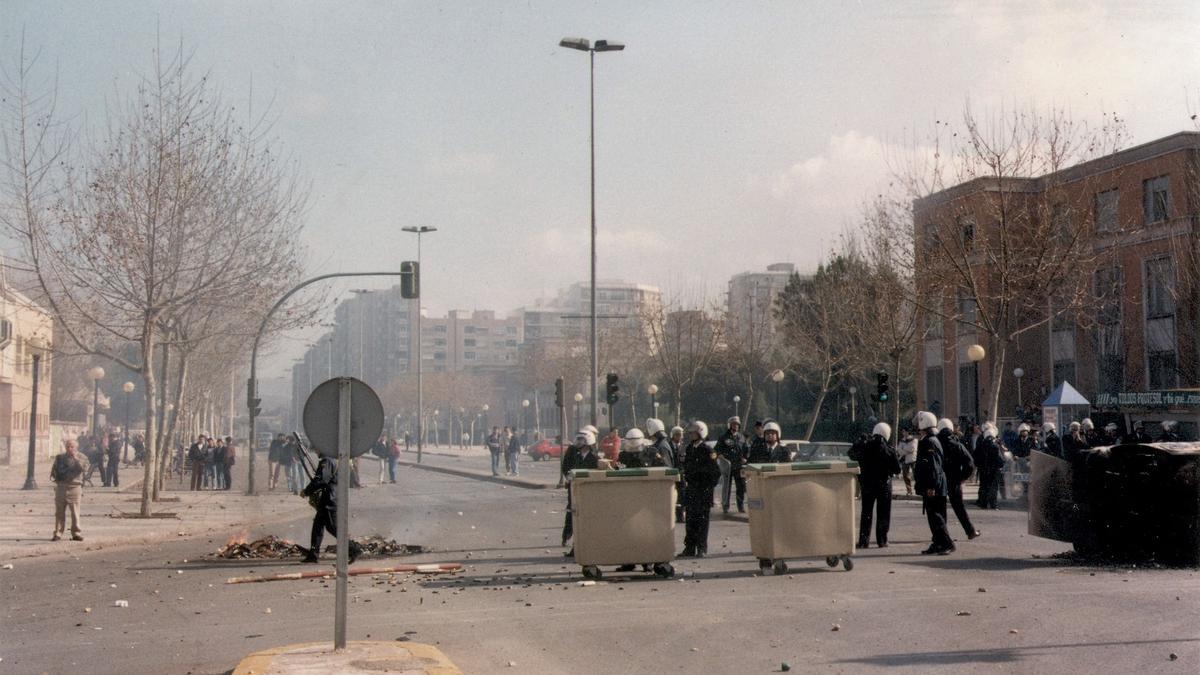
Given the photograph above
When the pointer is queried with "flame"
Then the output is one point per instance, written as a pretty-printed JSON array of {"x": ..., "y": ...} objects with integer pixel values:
[{"x": 239, "y": 538}]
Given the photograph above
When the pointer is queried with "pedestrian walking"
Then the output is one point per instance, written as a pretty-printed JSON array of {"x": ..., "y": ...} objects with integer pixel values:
[
  {"x": 908, "y": 457},
  {"x": 959, "y": 466},
  {"x": 113, "y": 448},
  {"x": 733, "y": 448},
  {"x": 195, "y": 457},
  {"x": 702, "y": 473},
  {"x": 273, "y": 453},
  {"x": 67, "y": 473},
  {"x": 393, "y": 459},
  {"x": 381, "y": 451},
  {"x": 877, "y": 464},
  {"x": 494, "y": 441},
  {"x": 230, "y": 460},
  {"x": 288, "y": 464},
  {"x": 512, "y": 452},
  {"x": 930, "y": 481},
  {"x": 323, "y": 491}
]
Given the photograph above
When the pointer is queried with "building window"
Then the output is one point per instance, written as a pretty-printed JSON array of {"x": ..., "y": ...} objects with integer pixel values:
[
  {"x": 967, "y": 394},
  {"x": 1110, "y": 343},
  {"x": 469, "y": 342},
  {"x": 1060, "y": 222},
  {"x": 968, "y": 313},
  {"x": 439, "y": 356},
  {"x": 470, "y": 356},
  {"x": 1156, "y": 199},
  {"x": 932, "y": 239},
  {"x": 510, "y": 330},
  {"x": 1161, "y": 353},
  {"x": 439, "y": 342},
  {"x": 1106, "y": 210},
  {"x": 935, "y": 388},
  {"x": 439, "y": 328},
  {"x": 469, "y": 329},
  {"x": 966, "y": 229}
]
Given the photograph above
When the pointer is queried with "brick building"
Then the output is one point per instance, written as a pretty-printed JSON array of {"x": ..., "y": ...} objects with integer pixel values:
[{"x": 1135, "y": 330}]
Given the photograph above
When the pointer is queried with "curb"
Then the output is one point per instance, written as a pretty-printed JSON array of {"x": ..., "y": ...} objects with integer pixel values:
[
  {"x": 467, "y": 473},
  {"x": 359, "y": 656}
]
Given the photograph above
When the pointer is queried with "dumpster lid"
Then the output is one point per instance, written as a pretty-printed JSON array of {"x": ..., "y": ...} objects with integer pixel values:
[
  {"x": 828, "y": 466},
  {"x": 649, "y": 472},
  {"x": 1183, "y": 448}
]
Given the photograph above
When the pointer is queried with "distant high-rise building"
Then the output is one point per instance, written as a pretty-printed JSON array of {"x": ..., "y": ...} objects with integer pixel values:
[{"x": 750, "y": 304}]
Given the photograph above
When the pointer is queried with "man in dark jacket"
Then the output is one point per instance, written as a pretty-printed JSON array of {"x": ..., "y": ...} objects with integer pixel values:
[
  {"x": 958, "y": 466},
  {"x": 1051, "y": 444},
  {"x": 581, "y": 455},
  {"x": 702, "y": 472},
  {"x": 732, "y": 447},
  {"x": 931, "y": 484},
  {"x": 114, "y": 459},
  {"x": 324, "y": 486},
  {"x": 494, "y": 447},
  {"x": 990, "y": 461},
  {"x": 512, "y": 452},
  {"x": 877, "y": 463}
]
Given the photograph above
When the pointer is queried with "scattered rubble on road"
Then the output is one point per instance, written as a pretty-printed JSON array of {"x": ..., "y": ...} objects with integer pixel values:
[{"x": 271, "y": 546}]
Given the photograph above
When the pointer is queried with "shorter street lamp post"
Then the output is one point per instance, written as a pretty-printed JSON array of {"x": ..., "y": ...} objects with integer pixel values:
[
  {"x": 653, "y": 391},
  {"x": 525, "y": 418},
  {"x": 486, "y": 430},
  {"x": 128, "y": 389},
  {"x": 976, "y": 353},
  {"x": 1019, "y": 373},
  {"x": 37, "y": 346},
  {"x": 853, "y": 390},
  {"x": 737, "y": 400},
  {"x": 777, "y": 377},
  {"x": 578, "y": 400},
  {"x": 95, "y": 374}
]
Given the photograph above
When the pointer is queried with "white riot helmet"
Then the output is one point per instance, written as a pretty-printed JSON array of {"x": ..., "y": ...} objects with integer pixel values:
[
  {"x": 654, "y": 426},
  {"x": 592, "y": 429},
  {"x": 635, "y": 434},
  {"x": 1024, "y": 427},
  {"x": 883, "y": 430},
  {"x": 1110, "y": 427},
  {"x": 926, "y": 420},
  {"x": 772, "y": 426},
  {"x": 1048, "y": 427},
  {"x": 1074, "y": 426},
  {"x": 1167, "y": 425},
  {"x": 700, "y": 428},
  {"x": 1087, "y": 424},
  {"x": 733, "y": 420},
  {"x": 587, "y": 437},
  {"x": 944, "y": 424},
  {"x": 989, "y": 431}
]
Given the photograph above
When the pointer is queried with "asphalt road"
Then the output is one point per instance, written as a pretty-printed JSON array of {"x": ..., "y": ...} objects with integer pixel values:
[{"x": 1001, "y": 604}]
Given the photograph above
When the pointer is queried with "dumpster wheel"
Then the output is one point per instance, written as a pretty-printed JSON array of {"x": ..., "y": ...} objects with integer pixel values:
[
  {"x": 664, "y": 570},
  {"x": 591, "y": 572},
  {"x": 779, "y": 568},
  {"x": 832, "y": 561},
  {"x": 847, "y": 563}
]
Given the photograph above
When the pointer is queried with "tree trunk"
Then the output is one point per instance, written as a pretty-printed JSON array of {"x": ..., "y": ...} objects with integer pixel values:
[
  {"x": 896, "y": 403},
  {"x": 151, "y": 380},
  {"x": 992, "y": 402},
  {"x": 678, "y": 406},
  {"x": 158, "y": 441},
  {"x": 816, "y": 413}
]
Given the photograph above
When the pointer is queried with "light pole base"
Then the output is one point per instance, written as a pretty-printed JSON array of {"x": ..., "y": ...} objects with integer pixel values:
[{"x": 30, "y": 484}]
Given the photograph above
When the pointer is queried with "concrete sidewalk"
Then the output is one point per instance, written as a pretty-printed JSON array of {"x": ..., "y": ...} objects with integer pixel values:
[
  {"x": 28, "y": 515},
  {"x": 360, "y": 656}
]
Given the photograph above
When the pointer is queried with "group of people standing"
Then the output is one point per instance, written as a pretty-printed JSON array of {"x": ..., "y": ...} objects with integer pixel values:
[
  {"x": 506, "y": 443},
  {"x": 211, "y": 460},
  {"x": 104, "y": 454}
]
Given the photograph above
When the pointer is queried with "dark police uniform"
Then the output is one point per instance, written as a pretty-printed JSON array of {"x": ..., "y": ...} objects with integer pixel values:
[
  {"x": 989, "y": 464},
  {"x": 958, "y": 466},
  {"x": 733, "y": 448},
  {"x": 576, "y": 457},
  {"x": 931, "y": 485},
  {"x": 877, "y": 463},
  {"x": 702, "y": 473},
  {"x": 324, "y": 485}
]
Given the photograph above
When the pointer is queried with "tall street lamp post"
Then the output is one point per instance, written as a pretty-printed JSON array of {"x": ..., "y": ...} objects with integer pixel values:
[
  {"x": 1019, "y": 373},
  {"x": 525, "y": 418},
  {"x": 578, "y": 400},
  {"x": 854, "y": 390},
  {"x": 583, "y": 45},
  {"x": 976, "y": 353},
  {"x": 128, "y": 389},
  {"x": 737, "y": 404},
  {"x": 777, "y": 377},
  {"x": 424, "y": 229},
  {"x": 653, "y": 391},
  {"x": 486, "y": 429},
  {"x": 37, "y": 346}
]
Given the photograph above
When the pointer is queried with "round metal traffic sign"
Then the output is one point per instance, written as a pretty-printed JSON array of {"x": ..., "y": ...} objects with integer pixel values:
[{"x": 321, "y": 417}]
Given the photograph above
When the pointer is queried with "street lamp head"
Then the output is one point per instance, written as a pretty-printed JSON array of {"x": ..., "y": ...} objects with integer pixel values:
[
  {"x": 95, "y": 373},
  {"x": 582, "y": 44},
  {"x": 37, "y": 344},
  {"x": 607, "y": 46},
  {"x": 578, "y": 398},
  {"x": 525, "y": 403},
  {"x": 128, "y": 387},
  {"x": 652, "y": 389},
  {"x": 777, "y": 376},
  {"x": 486, "y": 407},
  {"x": 737, "y": 399},
  {"x": 853, "y": 390},
  {"x": 976, "y": 353},
  {"x": 419, "y": 230},
  {"x": 1018, "y": 373}
]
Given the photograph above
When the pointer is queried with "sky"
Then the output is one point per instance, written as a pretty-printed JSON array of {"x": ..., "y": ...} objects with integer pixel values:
[{"x": 729, "y": 135}]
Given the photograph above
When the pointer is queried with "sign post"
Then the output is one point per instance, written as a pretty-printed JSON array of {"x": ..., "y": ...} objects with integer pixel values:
[{"x": 342, "y": 418}]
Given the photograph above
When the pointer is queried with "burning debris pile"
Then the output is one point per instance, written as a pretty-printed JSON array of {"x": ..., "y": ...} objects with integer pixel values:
[{"x": 275, "y": 547}]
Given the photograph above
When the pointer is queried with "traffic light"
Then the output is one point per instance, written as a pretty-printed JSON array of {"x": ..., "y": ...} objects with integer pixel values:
[
  {"x": 410, "y": 280},
  {"x": 559, "y": 399},
  {"x": 881, "y": 387},
  {"x": 252, "y": 401},
  {"x": 256, "y": 406},
  {"x": 612, "y": 390}
]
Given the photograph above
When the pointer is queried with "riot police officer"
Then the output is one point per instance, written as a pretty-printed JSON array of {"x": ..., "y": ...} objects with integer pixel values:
[
  {"x": 958, "y": 465},
  {"x": 702, "y": 472},
  {"x": 733, "y": 448},
  {"x": 322, "y": 488},
  {"x": 581, "y": 455},
  {"x": 930, "y": 481},
  {"x": 877, "y": 463}
]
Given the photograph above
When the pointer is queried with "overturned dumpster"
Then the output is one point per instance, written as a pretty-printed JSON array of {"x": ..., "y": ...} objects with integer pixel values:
[{"x": 1131, "y": 501}]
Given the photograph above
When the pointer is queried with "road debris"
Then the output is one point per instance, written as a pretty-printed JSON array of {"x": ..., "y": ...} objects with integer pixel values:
[
  {"x": 433, "y": 568},
  {"x": 963, "y": 614},
  {"x": 277, "y": 547},
  {"x": 121, "y": 603}
]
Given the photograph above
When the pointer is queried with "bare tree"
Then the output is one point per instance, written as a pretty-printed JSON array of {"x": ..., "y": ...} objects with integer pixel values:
[
  {"x": 683, "y": 344},
  {"x": 177, "y": 203},
  {"x": 1009, "y": 250}
]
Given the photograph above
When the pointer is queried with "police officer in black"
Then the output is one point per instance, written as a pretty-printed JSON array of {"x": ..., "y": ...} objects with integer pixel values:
[
  {"x": 1051, "y": 443},
  {"x": 733, "y": 448},
  {"x": 990, "y": 463},
  {"x": 322, "y": 489},
  {"x": 958, "y": 465},
  {"x": 581, "y": 455},
  {"x": 701, "y": 471},
  {"x": 659, "y": 452},
  {"x": 931, "y": 484},
  {"x": 877, "y": 463}
]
